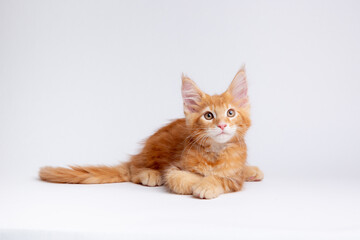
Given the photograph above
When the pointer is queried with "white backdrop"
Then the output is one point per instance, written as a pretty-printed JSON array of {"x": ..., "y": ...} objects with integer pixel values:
[{"x": 83, "y": 82}]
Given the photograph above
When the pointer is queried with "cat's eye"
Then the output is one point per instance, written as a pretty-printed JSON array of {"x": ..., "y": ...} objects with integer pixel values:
[
  {"x": 231, "y": 113},
  {"x": 208, "y": 116}
]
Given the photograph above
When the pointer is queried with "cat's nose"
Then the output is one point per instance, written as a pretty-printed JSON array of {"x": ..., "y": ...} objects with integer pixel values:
[{"x": 222, "y": 126}]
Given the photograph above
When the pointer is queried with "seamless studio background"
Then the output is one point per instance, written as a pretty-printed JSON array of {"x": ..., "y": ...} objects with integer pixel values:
[{"x": 84, "y": 82}]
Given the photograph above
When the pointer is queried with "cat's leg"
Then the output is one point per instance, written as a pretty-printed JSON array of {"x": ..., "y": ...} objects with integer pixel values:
[
  {"x": 253, "y": 173},
  {"x": 146, "y": 176},
  {"x": 180, "y": 181},
  {"x": 212, "y": 186}
]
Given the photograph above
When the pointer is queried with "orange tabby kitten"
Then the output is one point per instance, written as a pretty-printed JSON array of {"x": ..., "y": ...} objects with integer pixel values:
[{"x": 203, "y": 154}]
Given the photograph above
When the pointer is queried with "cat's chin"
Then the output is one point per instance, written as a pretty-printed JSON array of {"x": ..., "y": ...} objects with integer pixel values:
[{"x": 222, "y": 138}]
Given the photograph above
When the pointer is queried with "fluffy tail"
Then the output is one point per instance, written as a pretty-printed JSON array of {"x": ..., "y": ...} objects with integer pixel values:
[{"x": 86, "y": 175}]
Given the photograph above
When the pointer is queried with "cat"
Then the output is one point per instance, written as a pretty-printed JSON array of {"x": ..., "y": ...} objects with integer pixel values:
[{"x": 203, "y": 154}]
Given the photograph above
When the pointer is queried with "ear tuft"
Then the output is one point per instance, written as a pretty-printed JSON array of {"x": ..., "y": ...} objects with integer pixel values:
[
  {"x": 191, "y": 94},
  {"x": 239, "y": 88}
]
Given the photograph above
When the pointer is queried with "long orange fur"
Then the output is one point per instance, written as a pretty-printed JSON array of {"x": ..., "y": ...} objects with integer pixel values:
[{"x": 185, "y": 155}]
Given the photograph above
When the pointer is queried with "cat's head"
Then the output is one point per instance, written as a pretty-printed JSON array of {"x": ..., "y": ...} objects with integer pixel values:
[{"x": 219, "y": 118}]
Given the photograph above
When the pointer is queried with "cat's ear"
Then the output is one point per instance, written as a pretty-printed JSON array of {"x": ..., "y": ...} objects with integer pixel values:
[
  {"x": 239, "y": 89},
  {"x": 191, "y": 95}
]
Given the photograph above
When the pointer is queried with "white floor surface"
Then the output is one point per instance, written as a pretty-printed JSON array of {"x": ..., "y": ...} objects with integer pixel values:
[{"x": 277, "y": 208}]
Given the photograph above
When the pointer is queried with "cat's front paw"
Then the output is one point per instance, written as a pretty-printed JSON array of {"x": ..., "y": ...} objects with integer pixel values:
[
  {"x": 150, "y": 178},
  {"x": 181, "y": 182},
  {"x": 253, "y": 174},
  {"x": 207, "y": 189}
]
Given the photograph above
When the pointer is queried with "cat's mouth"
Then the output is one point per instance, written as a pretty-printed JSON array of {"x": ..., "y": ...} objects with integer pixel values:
[
  {"x": 222, "y": 133},
  {"x": 221, "y": 136}
]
